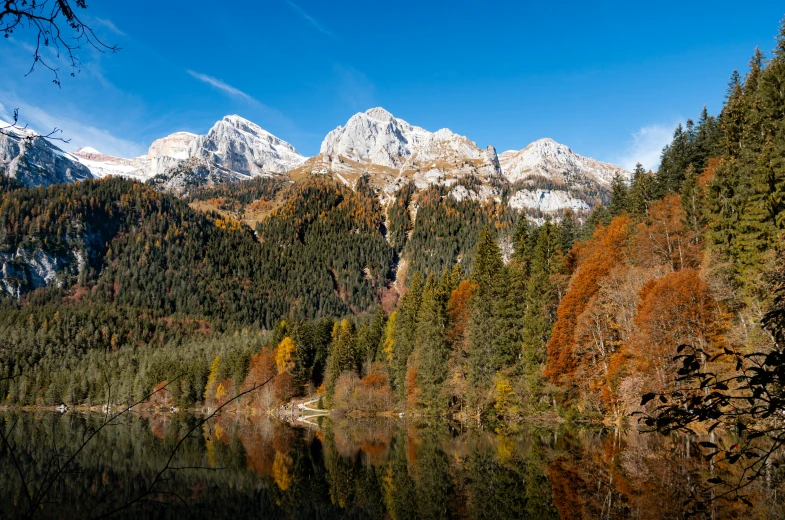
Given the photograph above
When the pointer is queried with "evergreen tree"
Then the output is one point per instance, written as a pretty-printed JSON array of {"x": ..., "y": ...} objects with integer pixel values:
[
  {"x": 619, "y": 196},
  {"x": 540, "y": 312},
  {"x": 643, "y": 191},
  {"x": 406, "y": 332},
  {"x": 431, "y": 353},
  {"x": 483, "y": 361},
  {"x": 570, "y": 228},
  {"x": 343, "y": 354},
  {"x": 692, "y": 201},
  {"x": 374, "y": 339}
]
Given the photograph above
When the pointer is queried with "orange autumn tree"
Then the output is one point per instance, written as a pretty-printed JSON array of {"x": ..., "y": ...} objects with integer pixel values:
[
  {"x": 458, "y": 311},
  {"x": 261, "y": 367},
  {"x": 675, "y": 309},
  {"x": 663, "y": 239},
  {"x": 606, "y": 248}
]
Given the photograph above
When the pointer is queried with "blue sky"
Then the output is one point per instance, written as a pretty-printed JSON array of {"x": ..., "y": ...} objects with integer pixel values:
[{"x": 610, "y": 80}]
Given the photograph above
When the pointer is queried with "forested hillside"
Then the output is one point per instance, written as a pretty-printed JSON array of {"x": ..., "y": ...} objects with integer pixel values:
[
  {"x": 583, "y": 322},
  {"x": 433, "y": 303}
]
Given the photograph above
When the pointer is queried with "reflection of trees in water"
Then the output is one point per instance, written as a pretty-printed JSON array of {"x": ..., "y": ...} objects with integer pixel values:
[{"x": 361, "y": 469}]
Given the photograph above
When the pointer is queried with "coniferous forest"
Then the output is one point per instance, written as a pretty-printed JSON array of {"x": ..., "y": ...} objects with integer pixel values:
[{"x": 425, "y": 304}]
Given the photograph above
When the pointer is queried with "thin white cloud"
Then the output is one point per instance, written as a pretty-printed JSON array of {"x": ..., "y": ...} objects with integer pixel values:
[
  {"x": 309, "y": 18},
  {"x": 646, "y": 146},
  {"x": 222, "y": 86},
  {"x": 73, "y": 128},
  {"x": 109, "y": 25}
]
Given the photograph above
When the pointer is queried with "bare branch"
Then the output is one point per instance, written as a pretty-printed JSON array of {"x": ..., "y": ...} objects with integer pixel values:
[
  {"x": 57, "y": 26},
  {"x": 17, "y": 131}
]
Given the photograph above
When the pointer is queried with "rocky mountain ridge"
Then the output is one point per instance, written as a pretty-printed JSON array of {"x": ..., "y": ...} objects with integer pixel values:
[
  {"x": 543, "y": 177},
  {"x": 36, "y": 161},
  {"x": 234, "y": 148}
]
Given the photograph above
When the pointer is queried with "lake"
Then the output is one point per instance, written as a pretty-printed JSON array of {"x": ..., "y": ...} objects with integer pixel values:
[{"x": 235, "y": 467}]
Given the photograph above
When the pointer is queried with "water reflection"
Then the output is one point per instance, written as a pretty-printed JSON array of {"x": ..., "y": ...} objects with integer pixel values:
[{"x": 263, "y": 468}]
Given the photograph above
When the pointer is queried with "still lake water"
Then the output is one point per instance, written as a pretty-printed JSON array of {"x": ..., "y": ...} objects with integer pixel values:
[{"x": 263, "y": 468}]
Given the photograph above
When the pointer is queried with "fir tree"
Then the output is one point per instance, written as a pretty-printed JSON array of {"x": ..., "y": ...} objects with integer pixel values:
[
  {"x": 406, "y": 332},
  {"x": 431, "y": 353},
  {"x": 483, "y": 361},
  {"x": 343, "y": 354},
  {"x": 619, "y": 196},
  {"x": 643, "y": 191},
  {"x": 539, "y": 317}
]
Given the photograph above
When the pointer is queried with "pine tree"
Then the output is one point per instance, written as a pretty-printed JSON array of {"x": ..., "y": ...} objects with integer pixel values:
[
  {"x": 431, "y": 353},
  {"x": 692, "y": 200},
  {"x": 570, "y": 228},
  {"x": 509, "y": 303},
  {"x": 343, "y": 354},
  {"x": 619, "y": 196},
  {"x": 406, "y": 332},
  {"x": 540, "y": 312},
  {"x": 375, "y": 336},
  {"x": 707, "y": 140},
  {"x": 487, "y": 261},
  {"x": 643, "y": 191},
  {"x": 482, "y": 361},
  {"x": 731, "y": 117}
]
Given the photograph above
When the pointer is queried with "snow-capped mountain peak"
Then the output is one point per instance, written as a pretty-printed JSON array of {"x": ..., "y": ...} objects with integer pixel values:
[
  {"x": 235, "y": 146},
  {"x": 240, "y": 146},
  {"x": 547, "y": 158},
  {"x": 36, "y": 161},
  {"x": 378, "y": 137},
  {"x": 176, "y": 146}
]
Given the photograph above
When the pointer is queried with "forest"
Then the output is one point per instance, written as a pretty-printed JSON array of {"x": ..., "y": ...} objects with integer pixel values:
[{"x": 466, "y": 309}]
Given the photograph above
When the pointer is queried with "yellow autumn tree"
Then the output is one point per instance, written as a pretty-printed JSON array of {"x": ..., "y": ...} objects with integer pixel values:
[
  {"x": 282, "y": 471},
  {"x": 389, "y": 337},
  {"x": 284, "y": 355},
  {"x": 213, "y": 377},
  {"x": 505, "y": 398}
]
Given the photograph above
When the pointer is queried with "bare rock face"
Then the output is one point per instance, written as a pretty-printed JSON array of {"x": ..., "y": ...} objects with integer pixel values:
[
  {"x": 32, "y": 267},
  {"x": 176, "y": 146},
  {"x": 35, "y": 161},
  {"x": 490, "y": 156},
  {"x": 377, "y": 137},
  {"x": 233, "y": 148},
  {"x": 238, "y": 145},
  {"x": 552, "y": 160}
]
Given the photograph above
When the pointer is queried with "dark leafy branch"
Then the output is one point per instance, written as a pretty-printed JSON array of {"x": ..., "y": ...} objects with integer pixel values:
[{"x": 749, "y": 404}]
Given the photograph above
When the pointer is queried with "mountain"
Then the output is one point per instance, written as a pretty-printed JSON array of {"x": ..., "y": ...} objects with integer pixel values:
[
  {"x": 234, "y": 148},
  {"x": 394, "y": 152},
  {"x": 543, "y": 178},
  {"x": 238, "y": 145},
  {"x": 377, "y": 137},
  {"x": 36, "y": 161},
  {"x": 547, "y": 158}
]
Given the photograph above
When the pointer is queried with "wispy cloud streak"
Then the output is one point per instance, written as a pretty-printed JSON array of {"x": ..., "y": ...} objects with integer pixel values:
[
  {"x": 109, "y": 25},
  {"x": 309, "y": 18},
  {"x": 222, "y": 86}
]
